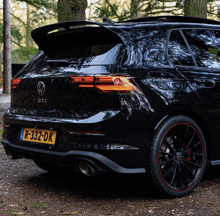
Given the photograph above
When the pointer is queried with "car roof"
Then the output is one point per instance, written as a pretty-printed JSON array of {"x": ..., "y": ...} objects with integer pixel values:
[
  {"x": 39, "y": 33},
  {"x": 172, "y": 19}
]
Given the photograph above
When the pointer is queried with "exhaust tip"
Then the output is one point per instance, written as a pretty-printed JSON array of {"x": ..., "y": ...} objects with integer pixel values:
[
  {"x": 86, "y": 168},
  {"x": 9, "y": 154}
]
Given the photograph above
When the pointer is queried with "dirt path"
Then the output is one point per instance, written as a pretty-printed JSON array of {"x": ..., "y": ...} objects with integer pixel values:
[{"x": 25, "y": 189}]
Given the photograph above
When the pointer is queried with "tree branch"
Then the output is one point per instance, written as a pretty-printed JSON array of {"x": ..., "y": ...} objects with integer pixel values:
[
  {"x": 17, "y": 18},
  {"x": 113, "y": 10},
  {"x": 16, "y": 43}
]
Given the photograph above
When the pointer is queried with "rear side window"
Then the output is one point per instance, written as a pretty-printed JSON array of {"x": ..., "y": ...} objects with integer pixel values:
[
  {"x": 147, "y": 48},
  {"x": 178, "y": 52},
  {"x": 205, "y": 45}
]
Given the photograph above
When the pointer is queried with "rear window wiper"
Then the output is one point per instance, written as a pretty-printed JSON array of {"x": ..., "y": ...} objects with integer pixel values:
[{"x": 59, "y": 62}]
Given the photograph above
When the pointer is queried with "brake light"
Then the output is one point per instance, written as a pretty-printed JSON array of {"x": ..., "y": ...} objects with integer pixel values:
[
  {"x": 15, "y": 83},
  {"x": 105, "y": 84}
]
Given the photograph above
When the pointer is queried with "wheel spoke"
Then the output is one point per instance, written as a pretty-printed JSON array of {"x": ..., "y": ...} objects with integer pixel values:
[
  {"x": 168, "y": 170},
  {"x": 194, "y": 164},
  {"x": 189, "y": 170},
  {"x": 183, "y": 180},
  {"x": 188, "y": 175},
  {"x": 185, "y": 151},
  {"x": 180, "y": 182},
  {"x": 165, "y": 163},
  {"x": 187, "y": 130},
  {"x": 185, "y": 154},
  {"x": 174, "y": 174},
  {"x": 190, "y": 140}
]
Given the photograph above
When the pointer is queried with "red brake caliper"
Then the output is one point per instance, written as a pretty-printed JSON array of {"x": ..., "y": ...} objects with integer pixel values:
[{"x": 188, "y": 157}]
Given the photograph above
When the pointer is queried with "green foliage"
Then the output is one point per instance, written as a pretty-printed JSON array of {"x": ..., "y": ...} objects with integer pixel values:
[
  {"x": 11, "y": 212},
  {"x": 213, "y": 51},
  {"x": 21, "y": 202},
  {"x": 116, "y": 11},
  {"x": 42, "y": 10},
  {"x": 23, "y": 54},
  {"x": 15, "y": 33},
  {"x": 40, "y": 204},
  {"x": 40, "y": 4},
  {"x": 119, "y": 12},
  {"x": 106, "y": 11},
  {"x": 137, "y": 8}
]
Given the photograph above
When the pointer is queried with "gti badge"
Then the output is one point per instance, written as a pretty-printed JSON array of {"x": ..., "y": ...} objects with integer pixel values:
[{"x": 41, "y": 88}]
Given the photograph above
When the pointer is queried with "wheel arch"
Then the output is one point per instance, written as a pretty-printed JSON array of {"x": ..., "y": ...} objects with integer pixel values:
[{"x": 195, "y": 116}]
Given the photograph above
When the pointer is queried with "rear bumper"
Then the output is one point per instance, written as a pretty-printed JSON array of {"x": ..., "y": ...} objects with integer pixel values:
[
  {"x": 109, "y": 139},
  {"x": 72, "y": 156}
]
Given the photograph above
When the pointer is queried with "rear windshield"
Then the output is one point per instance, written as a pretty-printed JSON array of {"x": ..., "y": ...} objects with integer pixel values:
[
  {"x": 79, "y": 43},
  {"x": 78, "y": 47}
]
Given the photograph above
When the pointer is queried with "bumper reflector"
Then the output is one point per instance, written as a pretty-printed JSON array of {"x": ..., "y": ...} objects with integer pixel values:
[{"x": 94, "y": 133}]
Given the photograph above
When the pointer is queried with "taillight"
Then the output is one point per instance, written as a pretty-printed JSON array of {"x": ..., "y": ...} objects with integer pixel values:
[
  {"x": 15, "y": 83},
  {"x": 105, "y": 84}
]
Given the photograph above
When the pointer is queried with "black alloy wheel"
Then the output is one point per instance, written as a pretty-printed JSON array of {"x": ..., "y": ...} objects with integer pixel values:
[{"x": 178, "y": 156}]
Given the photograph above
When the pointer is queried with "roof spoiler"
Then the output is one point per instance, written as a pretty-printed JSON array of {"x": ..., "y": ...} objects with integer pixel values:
[{"x": 39, "y": 33}]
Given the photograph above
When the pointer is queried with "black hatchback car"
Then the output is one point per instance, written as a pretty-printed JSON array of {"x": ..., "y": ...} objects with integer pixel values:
[{"x": 139, "y": 96}]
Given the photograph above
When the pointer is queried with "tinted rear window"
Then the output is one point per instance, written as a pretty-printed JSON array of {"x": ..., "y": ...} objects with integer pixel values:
[{"x": 79, "y": 43}]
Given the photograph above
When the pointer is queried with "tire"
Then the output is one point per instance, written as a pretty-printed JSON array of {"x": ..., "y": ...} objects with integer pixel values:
[
  {"x": 178, "y": 156},
  {"x": 52, "y": 168}
]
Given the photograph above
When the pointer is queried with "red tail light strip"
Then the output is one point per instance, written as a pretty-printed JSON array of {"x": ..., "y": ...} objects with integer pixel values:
[
  {"x": 105, "y": 84},
  {"x": 15, "y": 83}
]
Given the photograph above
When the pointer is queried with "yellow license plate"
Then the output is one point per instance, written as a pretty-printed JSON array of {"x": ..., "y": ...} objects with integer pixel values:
[{"x": 38, "y": 135}]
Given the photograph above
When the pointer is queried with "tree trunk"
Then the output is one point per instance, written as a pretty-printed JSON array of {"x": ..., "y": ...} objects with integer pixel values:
[
  {"x": 195, "y": 8},
  {"x": 7, "y": 48},
  {"x": 28, "y": 28},
  {"x": 71, "y": 10}
]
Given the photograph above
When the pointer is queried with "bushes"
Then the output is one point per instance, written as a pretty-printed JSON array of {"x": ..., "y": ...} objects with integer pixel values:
[{"x": 23, "y": 54}]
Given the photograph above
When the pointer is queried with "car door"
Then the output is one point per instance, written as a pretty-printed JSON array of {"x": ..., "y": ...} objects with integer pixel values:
[{"x": 199, "y": 62}]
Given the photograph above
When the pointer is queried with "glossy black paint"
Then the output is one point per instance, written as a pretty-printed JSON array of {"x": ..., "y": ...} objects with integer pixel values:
[{"x": 156, "y": 54}]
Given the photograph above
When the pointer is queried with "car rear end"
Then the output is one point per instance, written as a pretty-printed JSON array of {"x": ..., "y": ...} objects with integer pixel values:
[{"x": 73, "y": 104}]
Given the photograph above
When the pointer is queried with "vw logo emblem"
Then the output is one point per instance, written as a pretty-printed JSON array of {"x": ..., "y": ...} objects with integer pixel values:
[{"x": 40, "y": 88}]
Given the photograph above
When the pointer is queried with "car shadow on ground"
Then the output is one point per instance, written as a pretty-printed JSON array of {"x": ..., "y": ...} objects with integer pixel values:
[
  {"x": 105, "y": 186},
  {"x": 96, "y": 187}
]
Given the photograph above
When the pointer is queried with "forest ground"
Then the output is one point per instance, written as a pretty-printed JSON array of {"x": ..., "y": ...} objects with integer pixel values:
[{"x": 26, "y": 189}]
